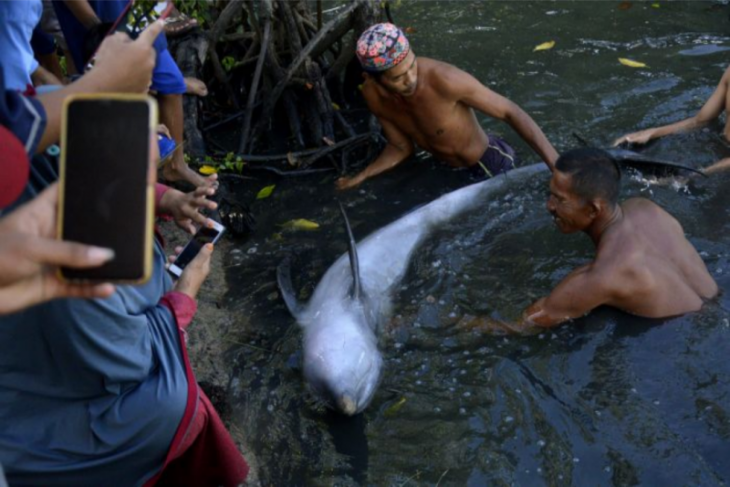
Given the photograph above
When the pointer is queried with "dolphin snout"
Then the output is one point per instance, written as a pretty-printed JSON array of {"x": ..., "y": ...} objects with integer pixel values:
[{"x": 347, "y": 405}]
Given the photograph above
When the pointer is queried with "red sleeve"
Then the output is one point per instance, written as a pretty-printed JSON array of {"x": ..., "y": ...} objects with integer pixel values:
[
  {"x": 182, "y": 307},
  {"x": 14, "y": 168},
  {"x": 160, "y": 190}
]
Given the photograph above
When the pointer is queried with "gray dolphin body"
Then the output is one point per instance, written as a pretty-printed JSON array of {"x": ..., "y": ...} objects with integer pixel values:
[{"x": 342, "y": 363}]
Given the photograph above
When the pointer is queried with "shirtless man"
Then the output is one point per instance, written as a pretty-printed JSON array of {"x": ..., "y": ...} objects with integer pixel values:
[
  {"x": 713, "y": 107},
  {"x": 431, "y": 104},
  {"x": 644, "y": 265}
]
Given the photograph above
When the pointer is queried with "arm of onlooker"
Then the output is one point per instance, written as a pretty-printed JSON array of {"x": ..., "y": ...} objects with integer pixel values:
[
  {"x": 42, "y": 76},
  {"x": 719, "y": 166},
  {"x": 474, "y": 94},
  {"x": 398, "y": 149},
  {"x": 81, "y": 9},
  {"x": 581, "y": 291},
  {"x": 122, "y": 66},
  {"x": 30, "y": 254},
  {"x": 712, "y": 109}
]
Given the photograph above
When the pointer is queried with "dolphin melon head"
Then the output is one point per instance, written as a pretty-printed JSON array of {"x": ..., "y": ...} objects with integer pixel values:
[{"x": 343, "y": 367}]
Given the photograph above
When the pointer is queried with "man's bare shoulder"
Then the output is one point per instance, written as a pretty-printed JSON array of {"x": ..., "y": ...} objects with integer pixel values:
[
  {"x": 445, "y": 76},
  {"x": 373, "y": 97}
]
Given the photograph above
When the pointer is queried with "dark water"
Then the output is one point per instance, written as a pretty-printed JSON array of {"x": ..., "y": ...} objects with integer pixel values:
[{"x": 608, "y": 400}]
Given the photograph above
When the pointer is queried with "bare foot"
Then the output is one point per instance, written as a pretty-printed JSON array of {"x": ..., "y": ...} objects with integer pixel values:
[
  {"x": 195, "y": 87},
  {"x": 173, "y": 173}
]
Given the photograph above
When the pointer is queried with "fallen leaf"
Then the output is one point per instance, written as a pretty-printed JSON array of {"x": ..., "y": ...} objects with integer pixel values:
[
  {"x": 656, "y": 5},
  {"x": 409, "y": 30},
  {"x": 631, "y": 63},
  {"x": 624, "y": 5},
  {"x": 393, "y": 410},
  {"x": 328, "y": 141},
  {"x": 278, "y": 237},
  {"x": 207, "y": 170},
  {"x": 335, "y": 106},
  {"x": 265, "y": 192},
  {"x": 544, "y": 46},
  {"x": 300, "y": 224}
]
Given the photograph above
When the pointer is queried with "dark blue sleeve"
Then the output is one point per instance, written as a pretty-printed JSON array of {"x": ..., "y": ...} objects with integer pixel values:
[{"x": 24, "y": 116}]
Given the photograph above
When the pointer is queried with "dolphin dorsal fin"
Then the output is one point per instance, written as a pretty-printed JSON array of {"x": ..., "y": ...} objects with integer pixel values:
[
  {"x": 352, "y": 251},
  {"x": 283, "y": 277}
]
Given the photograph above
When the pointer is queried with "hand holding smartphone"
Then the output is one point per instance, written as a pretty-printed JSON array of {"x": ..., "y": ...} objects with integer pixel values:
[
  {"x": 106, "y": 196},
  {"x": 205, "y": 235}
]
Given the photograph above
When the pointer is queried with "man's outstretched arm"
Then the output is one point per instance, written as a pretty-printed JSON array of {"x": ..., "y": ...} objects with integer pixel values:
[
  {"x": 581, "y": 291},
  {"x": 474, "y": 94},
  {"x": 712, "y": 109},
  {"x": 398, "y": 149}
]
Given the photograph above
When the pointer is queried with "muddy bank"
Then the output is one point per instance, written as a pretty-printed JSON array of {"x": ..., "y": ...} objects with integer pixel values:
[{"x": 207, "y": 343}]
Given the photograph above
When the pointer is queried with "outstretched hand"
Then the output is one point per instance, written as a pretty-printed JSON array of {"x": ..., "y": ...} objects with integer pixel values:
[
  {"x": 641, "y": 137},
  {"x": 30, "y": 254},
  {"x": 185, "y": 207}
]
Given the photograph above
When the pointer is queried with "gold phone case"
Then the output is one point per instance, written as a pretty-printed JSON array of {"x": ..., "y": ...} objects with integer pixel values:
[{"x": 150, "y": 203}]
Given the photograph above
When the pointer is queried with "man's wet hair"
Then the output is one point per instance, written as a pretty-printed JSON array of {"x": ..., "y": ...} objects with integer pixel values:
[{"x": 594, "y": 173}]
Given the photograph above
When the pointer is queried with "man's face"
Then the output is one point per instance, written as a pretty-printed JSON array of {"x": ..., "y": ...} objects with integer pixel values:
[
  {"x": 402, "y": 79},
  {"x": 571, "y": 213}
]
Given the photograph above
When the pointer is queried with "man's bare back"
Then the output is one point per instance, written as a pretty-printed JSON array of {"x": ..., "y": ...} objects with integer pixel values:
[{"x": 656, "y": 272}]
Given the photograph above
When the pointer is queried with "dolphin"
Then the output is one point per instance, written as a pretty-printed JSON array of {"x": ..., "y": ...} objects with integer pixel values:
[{"x": 341, "y": 322}]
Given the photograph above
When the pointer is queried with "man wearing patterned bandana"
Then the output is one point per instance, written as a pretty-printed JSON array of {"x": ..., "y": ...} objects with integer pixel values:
[{"x": 431, "y": 104}]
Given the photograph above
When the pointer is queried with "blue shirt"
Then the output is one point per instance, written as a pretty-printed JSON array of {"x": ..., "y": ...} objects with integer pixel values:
[{"x": 18, "y": 19}]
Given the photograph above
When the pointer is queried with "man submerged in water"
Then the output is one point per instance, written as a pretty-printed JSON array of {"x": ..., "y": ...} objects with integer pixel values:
[
  {"x": 711, "y": 110},
  {"x": 430, "y": 103},
  {"x": 644, "y": 265}
]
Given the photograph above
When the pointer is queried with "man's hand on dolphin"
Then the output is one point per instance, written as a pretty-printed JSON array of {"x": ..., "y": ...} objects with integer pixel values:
[{"x": 641, "y": 137}]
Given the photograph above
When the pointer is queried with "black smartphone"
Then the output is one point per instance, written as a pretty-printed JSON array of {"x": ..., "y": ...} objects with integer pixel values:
[
  {"x": 106, "y": 196},
  {"x": 203, "y": 236}
]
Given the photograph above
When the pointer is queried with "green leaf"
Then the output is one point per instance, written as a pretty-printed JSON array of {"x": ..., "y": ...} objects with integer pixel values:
[{"x": 265, "y": 192}]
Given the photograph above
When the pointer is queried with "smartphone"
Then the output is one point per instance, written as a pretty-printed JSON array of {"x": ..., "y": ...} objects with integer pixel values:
[
  {"x": 204, "y": 236},
  {"x": 106, "y": 195}
]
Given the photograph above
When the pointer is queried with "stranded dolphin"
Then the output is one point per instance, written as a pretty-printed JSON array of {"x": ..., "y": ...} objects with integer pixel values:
[{"x": 342, "y": 363}]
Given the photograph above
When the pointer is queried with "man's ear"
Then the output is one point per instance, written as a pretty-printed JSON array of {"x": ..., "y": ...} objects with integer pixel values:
[{"x": 596, "y": 206}]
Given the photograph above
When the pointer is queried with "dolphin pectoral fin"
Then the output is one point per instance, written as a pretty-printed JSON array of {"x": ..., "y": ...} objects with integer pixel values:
[
  {"x": 283, "y": 277},
  {"x": 352, "y": 251},
  {"x": 346, "y": 405}
]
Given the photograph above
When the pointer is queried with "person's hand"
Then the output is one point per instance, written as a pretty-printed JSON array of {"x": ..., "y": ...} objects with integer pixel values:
[
  {"x": 125, "y": 63},
  {"x": 162, "y": 129},
  {"x": 185, "y": 207},
  {"x": 344, "y": 183},
  {"x": 641, "y": 137},
  {"x": 30, "y": 254},
  {"x": 195, "y": 273}
]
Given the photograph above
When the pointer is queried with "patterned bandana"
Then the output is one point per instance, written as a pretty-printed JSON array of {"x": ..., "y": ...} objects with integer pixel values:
[{"x": 382, "y": 47}]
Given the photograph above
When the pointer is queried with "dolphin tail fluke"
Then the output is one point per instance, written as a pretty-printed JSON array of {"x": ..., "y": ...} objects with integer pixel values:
[
  {"x": 352, "y": 251},
  {"x": 283, "y": 277}
]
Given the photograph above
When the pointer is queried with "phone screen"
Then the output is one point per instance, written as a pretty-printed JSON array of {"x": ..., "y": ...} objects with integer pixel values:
[
  {"x": 105, "y": 193},
  {"x": 204, "y": 236}
]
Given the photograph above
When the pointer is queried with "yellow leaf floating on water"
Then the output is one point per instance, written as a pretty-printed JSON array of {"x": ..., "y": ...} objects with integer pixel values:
[
  {"x": 335, "y": 106},
  {"x": 300, "y": 224},
  {"x": 207, "y": 170},
  {"x": 265, "y": 192},
  {"x": 393, "y": 410},
  {"x": 544, "y": 46},
  {"x": 656, "y": 5},
  {"x": 631, "y": 63}
]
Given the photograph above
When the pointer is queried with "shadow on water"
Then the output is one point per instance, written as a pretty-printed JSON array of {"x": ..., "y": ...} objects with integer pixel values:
[{"x": 608, "y": 400}]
